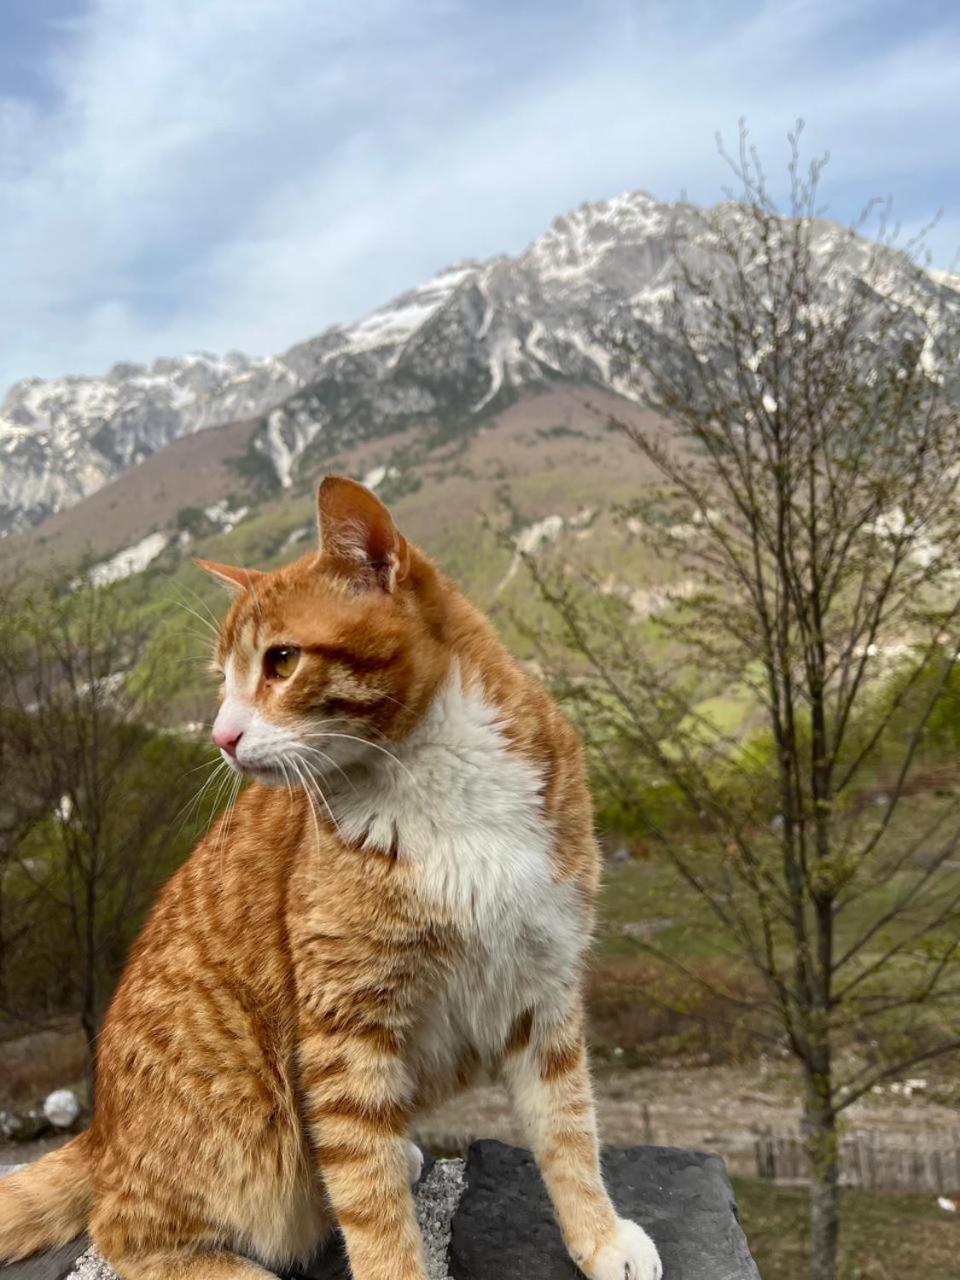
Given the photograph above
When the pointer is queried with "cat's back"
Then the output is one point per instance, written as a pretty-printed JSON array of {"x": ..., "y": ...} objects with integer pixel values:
[
  {"x": 209, "y": 977},
  {"x": 225, "y": 905}
]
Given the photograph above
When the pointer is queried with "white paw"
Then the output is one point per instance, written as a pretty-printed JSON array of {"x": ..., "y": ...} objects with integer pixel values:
[
  {"x": 631, "y": 1255},
  {"x": 414, "y": 1163}
]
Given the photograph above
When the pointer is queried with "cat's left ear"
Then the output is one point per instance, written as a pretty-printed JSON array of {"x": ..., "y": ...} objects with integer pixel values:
[
  {"x": 232, "y": 577},
  {"x": 357, "y": 534}
]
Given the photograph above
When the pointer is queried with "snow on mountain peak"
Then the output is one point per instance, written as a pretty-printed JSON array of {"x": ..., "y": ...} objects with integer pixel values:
[
  {"x": 454, "y": 347},
  {"x": 577, "y": 242}
]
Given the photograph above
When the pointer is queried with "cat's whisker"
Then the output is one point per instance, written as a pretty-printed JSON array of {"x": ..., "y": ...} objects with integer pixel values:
[
  {"x": 309, "y": 799},
  {"x": 405, "y": 706},
  {"x": 207, "y": 639},
  {"x": 197, "y": 635},
  {"x": 320, "y": 793},
  {"x": 217, "y": 759},
  {"x": 227, "y": 819},
  {"x": 205, "y": 622},
  {"x": 214, "y": 621},
  {"x": 251, "y": 587},
  {"x": 220, "y": 777},
  {"x": 200, "y": 659},
  {"x": 313, "y": 811},
  {"x": 352, "y": 737},
  {"x": 330, "y": 760},
  {"x": 223, "y": 787},
  {"x": 191, "y": 805},
  {"x": 287, "y": 783}
]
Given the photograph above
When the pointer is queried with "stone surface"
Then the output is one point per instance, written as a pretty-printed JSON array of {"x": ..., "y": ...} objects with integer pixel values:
[
  {"x": 491, "y": 1220},
  {"x": 437, "y": 1195},
  {"x": 504, "y": 1226},
  {"x": 54, "y": 1264}
]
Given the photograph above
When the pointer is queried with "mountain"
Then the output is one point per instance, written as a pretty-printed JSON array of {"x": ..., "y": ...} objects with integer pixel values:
[
  {"x": 63, "y": 439},
  {"x": 476, "y": 336},
  {"x": 471, "y": 336},
  {"x": 466, "y": 344}
]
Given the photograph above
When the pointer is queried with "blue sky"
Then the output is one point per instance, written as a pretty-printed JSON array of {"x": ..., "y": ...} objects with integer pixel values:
[{"x": 240, "y": 173}]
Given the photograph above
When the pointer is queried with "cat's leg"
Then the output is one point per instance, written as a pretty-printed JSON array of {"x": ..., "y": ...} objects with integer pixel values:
[
  {"x": 546, "y": 1072},
  {"x": 357, "y": 1111}
]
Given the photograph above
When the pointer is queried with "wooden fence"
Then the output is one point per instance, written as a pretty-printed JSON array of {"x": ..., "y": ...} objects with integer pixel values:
[{"x": 876, "y": 1161}]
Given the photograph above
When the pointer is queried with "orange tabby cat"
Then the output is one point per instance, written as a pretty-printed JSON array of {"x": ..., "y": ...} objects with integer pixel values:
[{"x": 403, "y": 896}]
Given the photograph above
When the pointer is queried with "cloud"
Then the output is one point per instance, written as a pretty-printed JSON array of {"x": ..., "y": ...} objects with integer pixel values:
[{"x": 243, "y": 172}]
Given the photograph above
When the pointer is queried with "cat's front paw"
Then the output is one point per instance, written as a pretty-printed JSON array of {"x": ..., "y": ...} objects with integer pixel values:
[{"x": 630, "y": 1255}]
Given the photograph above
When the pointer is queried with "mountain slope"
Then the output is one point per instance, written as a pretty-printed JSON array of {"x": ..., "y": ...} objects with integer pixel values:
[{"x": 448, "y": 353}]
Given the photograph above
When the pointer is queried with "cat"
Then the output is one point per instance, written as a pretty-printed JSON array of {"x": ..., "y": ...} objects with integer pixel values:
[{"x": 403, "y": 897}]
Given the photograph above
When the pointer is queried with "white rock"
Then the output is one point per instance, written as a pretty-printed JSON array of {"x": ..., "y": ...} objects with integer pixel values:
[{"x": 61, "y": 1108}]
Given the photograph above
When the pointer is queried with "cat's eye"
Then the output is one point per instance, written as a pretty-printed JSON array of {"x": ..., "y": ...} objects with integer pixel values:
[{"x": 280, "y": 662}]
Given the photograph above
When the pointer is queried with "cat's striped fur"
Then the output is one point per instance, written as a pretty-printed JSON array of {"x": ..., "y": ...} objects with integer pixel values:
[{"x": 327, "y": 965}]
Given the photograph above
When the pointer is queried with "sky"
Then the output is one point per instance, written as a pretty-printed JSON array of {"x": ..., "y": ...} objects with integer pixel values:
[{"x": 177, "y": 175}]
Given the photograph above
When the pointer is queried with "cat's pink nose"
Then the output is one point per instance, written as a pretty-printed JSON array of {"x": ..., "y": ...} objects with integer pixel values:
[
  {"x": 233, "y": 720},
  {"x": 227, "y": 739}
]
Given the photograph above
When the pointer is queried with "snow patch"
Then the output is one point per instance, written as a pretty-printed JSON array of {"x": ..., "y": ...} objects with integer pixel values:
[
  {"x": 593, "y": 351},
  {"x": 377, "y": 476},
  {"x": 534, "y": 338},
  {"x": 131, "y": 560},
  {"x": 648, "y": 602},
  {"x": 530, "y": 541},
  {"x": 221, "y": 514}
]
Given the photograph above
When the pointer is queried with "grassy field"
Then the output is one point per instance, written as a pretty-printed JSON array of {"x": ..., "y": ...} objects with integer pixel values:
[{"x": 883, "y": 1236}]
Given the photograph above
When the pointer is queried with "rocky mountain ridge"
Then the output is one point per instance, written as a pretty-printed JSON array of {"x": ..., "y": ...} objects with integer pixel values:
[
  {"x": 462, "y": 344},
  {"x": 63, "y": 439}
]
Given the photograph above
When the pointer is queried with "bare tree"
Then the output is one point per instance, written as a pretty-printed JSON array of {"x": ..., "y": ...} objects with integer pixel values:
[{"x": 807, "y": 498}]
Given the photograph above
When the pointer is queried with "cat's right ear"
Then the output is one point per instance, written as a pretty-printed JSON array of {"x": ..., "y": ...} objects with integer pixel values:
[
  {"x": 358, "y": 536},
  {"x": 231, "y": 577}
]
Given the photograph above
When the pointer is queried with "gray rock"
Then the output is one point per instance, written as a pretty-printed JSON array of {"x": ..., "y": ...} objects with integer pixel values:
[
  {"x": 504, "y": 1225},
  {"x": 492, "y": 1219},
  {"x": 437, "y": 1195},
  {"x": 54, "y": 1264}
]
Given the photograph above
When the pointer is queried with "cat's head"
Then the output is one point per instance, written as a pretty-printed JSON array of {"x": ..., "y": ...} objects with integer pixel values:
[{"x": 325, "y": 660}]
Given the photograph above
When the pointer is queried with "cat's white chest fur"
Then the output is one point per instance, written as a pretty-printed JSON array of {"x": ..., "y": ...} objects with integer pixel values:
[{"x": 467, "y": 811}]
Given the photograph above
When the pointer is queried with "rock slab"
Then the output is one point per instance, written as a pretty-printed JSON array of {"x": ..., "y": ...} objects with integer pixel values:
[
  {"x": 51, "y": 1265},
  {"x": 491, "y": 1220},
  {"x": 504, "y": 1226}
]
